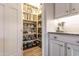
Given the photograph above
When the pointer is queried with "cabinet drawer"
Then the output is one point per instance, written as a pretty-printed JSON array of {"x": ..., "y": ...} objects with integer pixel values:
[
  {"x": 57, "y": 37},
  {"x": 57, "y": 42},
  {"x": 53, "y": 36},
  {"x": 73, "y": 39}
]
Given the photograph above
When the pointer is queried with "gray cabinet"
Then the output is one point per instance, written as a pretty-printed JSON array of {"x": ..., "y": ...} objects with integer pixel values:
[
  {"x": 63, "y": 45},
  {"x": 61, "y": 9},
  {"x": 75, "y": 8},
  {"x": 65, "y": 9},
  {"x": 56, "y": 48},
  {"x": 72, "y": 50}
]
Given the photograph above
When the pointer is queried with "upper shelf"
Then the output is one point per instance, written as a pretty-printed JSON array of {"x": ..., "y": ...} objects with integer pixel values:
[{"x": 29, "y": 21}]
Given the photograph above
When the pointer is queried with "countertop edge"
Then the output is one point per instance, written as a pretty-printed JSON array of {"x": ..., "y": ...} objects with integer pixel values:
[{"x": 63, "y": 33}]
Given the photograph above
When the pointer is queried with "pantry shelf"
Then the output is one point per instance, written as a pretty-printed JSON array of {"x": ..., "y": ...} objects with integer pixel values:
[{"x": 31, "y": 25}]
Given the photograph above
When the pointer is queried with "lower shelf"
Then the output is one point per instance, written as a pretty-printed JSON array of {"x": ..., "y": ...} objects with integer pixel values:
[{"x": 31, "y": 44}]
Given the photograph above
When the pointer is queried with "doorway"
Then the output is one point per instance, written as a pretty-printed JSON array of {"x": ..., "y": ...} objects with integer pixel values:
[{"x": 32, "y": 30}]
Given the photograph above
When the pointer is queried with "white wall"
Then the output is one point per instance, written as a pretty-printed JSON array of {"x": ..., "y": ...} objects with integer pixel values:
[
  {"x": 71, "y": 24},
  {"x": 47, "y": 13}
]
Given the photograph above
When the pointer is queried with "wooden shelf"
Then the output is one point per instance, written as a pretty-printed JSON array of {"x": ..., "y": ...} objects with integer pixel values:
[
  {"x": 40, "y": 27},
  {"x": 24, "y": 12},
  {"x": 39, "y": 21},
  {"x": 30, "y": 33},
  {"x": 39, "y": 33},
  {"x": 30, "y": 40},
  {"x": 29, "y": 20}
]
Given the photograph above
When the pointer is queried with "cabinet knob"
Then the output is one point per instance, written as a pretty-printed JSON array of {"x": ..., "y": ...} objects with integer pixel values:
[
  {"x": 73, "y": 9},
  {"x": 67, "y": 11},
  {"x": 55, "y": 37},
  {"x": 21, "y": 48},
  {"x": 68, "y": 47},
  {"x": 61, "y": 45},
  {"x": 77, "y": 41}
]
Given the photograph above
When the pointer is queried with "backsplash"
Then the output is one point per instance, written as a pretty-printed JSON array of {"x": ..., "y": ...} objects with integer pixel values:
[{"x": 71, "y": 24}]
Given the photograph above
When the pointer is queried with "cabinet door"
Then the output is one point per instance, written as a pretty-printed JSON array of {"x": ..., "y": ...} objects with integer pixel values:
[
  {"x": 75, "y": 7},
  {"x": 72, "y": 50},
  {"x": 61, "y": 9},
  {"x": 56, "y": 48},
  {"x": 1, "y": 29},
  {"x": 11, "y": 37}
]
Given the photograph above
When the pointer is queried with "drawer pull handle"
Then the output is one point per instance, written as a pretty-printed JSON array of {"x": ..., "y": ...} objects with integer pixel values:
[
  {"x": 73, "y": 9},
  {"x": 61, "y": 45},
  {"x": 55, "y": 37},
  {"x": 68, "y": 47},
  {"x": 77, "y": 41},
  {"x": 67, "y": 11}
]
